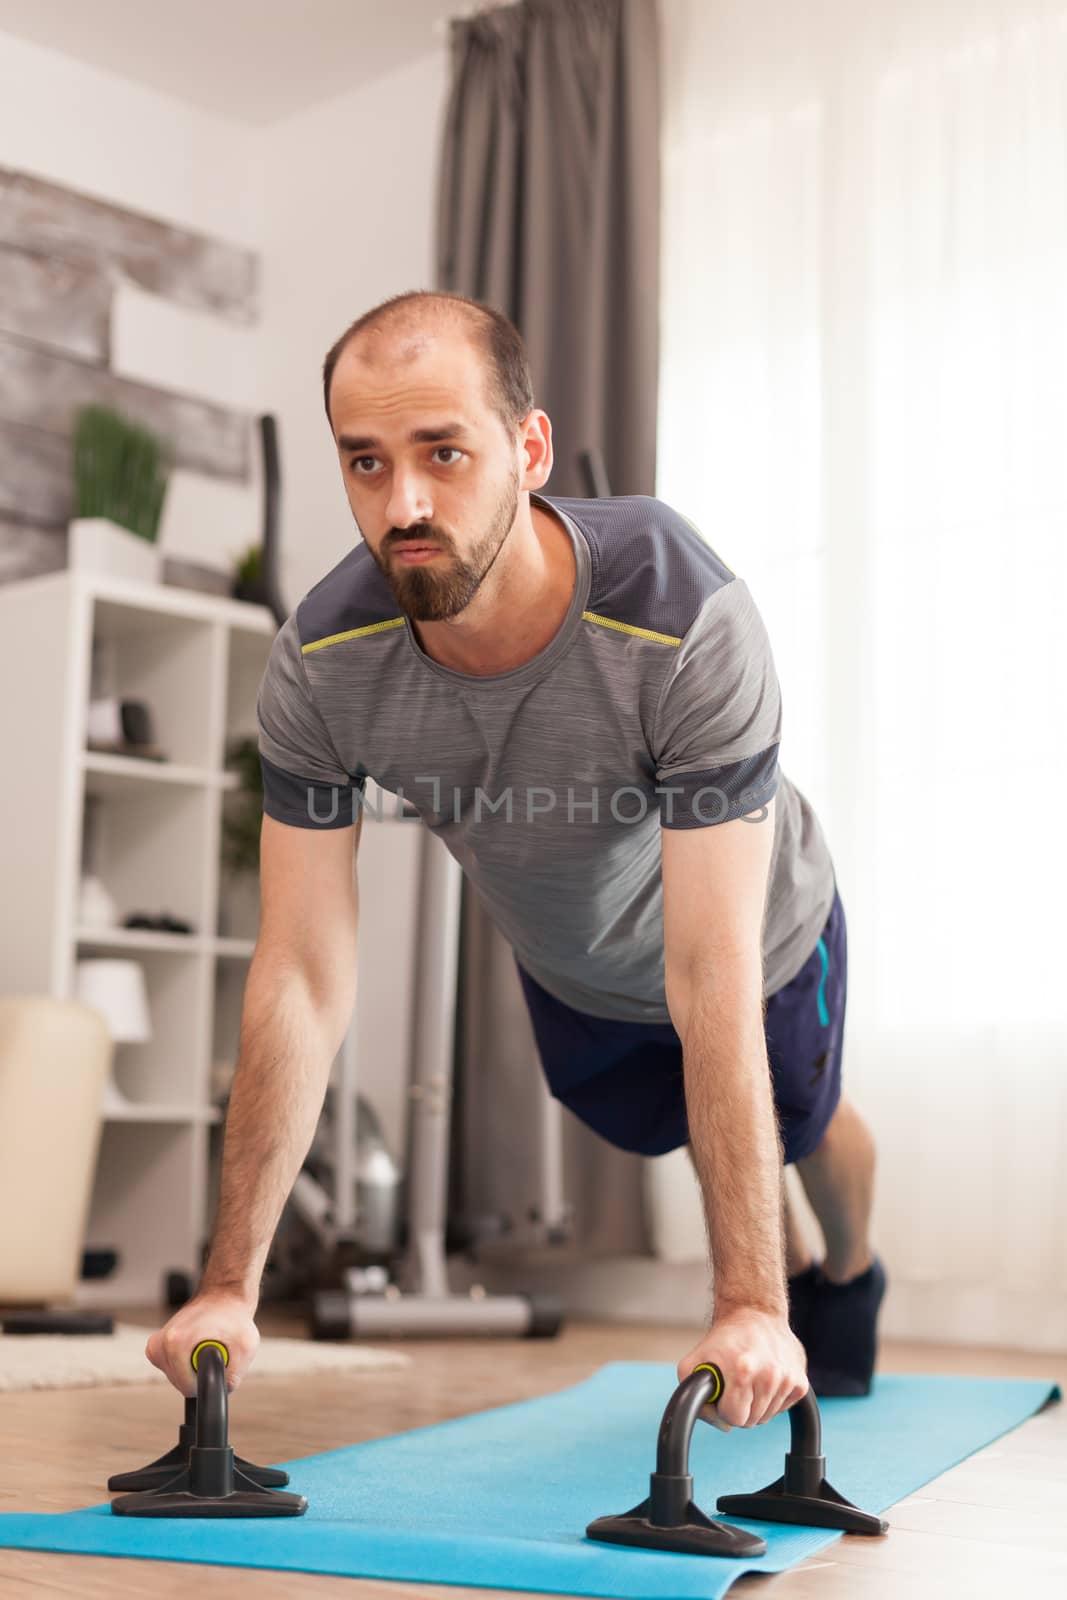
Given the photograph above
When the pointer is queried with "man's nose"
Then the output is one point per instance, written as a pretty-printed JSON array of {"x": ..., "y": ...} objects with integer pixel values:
[{"x": 409, "y": 501}]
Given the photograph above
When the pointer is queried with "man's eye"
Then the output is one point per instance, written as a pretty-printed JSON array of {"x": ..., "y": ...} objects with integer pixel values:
[{"x": 448, "y": 449}]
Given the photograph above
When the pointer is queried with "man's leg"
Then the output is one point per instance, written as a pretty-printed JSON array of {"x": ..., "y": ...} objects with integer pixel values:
[
  {"x": 838, "y": 1324},
  {"x": 838, "y": 1179},
  {"x": 798, "y": 1257}
]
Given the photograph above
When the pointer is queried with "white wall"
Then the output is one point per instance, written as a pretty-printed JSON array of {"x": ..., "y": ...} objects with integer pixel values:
[
  {"x": 99, "y": 133},
  {"x": 339, "y": 201}
]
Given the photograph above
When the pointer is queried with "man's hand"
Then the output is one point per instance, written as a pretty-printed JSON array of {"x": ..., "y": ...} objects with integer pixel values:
[
  {"x": 213, "y": 1314},
  {"x": 762, "y": 1361}
]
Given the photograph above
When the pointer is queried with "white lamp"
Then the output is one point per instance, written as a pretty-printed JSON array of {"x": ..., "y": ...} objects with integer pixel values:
[{"x": 116, "y": 988}]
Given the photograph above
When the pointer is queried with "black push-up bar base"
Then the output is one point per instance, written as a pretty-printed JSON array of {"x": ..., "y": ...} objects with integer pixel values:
[{"x": 669, "y": 1519}]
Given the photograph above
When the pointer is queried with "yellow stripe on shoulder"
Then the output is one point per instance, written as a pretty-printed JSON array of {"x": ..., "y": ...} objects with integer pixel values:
[
  {"x": 628, "y": 627},
  {"x": 352, "y": 633}
]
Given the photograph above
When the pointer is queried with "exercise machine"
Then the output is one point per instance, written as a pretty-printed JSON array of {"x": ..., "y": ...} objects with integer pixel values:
[{"x": 417, "y": 1300}]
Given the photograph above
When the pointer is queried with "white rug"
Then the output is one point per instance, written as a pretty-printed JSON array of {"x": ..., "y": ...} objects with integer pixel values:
[{"x": 82, "y": 1361}]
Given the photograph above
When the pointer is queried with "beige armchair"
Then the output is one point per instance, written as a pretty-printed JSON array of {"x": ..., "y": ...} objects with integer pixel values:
[{"x": 55, "y": 1057}]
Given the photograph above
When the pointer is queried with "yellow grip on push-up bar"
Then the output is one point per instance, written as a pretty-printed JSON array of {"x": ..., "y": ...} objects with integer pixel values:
[
  {"x": 214, "y": 1345},
  {"x": 718, "y": 1386}
]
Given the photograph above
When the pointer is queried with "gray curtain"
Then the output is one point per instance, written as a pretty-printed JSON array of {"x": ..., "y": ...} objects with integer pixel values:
[{"x": 548, "y": 209}]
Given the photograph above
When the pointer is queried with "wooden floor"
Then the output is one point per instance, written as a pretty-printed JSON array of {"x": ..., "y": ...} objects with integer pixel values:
[{"x": 996, "y": 1525}]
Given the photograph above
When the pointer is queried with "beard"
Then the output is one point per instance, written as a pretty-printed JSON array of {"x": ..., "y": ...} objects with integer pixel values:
[{"x": 432, "y": 593}]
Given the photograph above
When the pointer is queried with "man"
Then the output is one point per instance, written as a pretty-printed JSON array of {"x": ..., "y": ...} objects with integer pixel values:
[{"x": 579, "y": 698}]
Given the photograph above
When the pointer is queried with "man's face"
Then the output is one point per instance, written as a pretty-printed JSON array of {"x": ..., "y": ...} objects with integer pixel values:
[{"x": 433, "y": 511}]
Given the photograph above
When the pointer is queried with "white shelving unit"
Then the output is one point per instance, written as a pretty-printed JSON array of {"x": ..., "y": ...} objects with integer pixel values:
[{"x": 196, "y": 660}]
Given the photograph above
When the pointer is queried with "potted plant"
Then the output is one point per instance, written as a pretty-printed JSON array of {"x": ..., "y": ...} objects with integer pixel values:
[
  {"x": 241, "y": 824},
  {"x": 248, "y": 580},
  {"x": 120, "y": 483}
]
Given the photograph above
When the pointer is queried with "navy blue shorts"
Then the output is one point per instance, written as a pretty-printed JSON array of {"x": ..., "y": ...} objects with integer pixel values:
[{"x": 625, "y": 1079}]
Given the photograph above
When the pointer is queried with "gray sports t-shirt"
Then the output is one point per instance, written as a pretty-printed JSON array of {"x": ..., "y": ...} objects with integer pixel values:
[{"x": 656, "y": 704}]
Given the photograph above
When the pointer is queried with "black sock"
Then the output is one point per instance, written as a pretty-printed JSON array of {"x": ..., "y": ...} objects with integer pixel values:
[
  {"x": 860, "y": 1278},
  {"x": 809, "y": 1271},
  {"x": 840, "y": 1331}
]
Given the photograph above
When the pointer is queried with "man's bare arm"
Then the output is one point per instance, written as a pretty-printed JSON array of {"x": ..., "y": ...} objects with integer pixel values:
[
  {"x": 714, "y": 884},
  {"x": 736, "y": 1145},
  {"x": 297, "y": 1005}
]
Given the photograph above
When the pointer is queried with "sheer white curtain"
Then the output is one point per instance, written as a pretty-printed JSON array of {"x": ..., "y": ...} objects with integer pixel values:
[{"x": 864, "y": 407}]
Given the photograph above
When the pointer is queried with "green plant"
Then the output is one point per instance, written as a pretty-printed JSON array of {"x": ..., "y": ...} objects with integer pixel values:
[
  {"x": 249, "y": 566},
  {"x": 244, "y": 816},
  {"x": 120, "y": 471}
]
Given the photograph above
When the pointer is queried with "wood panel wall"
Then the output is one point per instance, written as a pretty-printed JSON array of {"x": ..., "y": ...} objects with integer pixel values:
[{"x": 63, "y": 256}]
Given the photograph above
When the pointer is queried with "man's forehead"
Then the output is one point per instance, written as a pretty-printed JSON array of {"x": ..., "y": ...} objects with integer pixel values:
[
  {"x": 391, "y": 395},
  {"x": 395, "y": 393},
  {"x": 400, "y": 408}
]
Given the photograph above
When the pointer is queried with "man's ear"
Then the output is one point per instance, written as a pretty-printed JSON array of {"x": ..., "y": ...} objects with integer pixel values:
[{"x": 537, "y": 450}]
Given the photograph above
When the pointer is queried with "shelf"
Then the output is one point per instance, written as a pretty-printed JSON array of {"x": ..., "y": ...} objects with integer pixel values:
[
  {"x": 163, "y": 602},
  {"x": 106, "y": 774},
  {"x": 167, "y": 943},
  {"x": 140, "y": 939},
  {"x": 155, "y": 598},
  {"x": 150, "y": 848},
  {"x": 180, "y": 943},
  {"x": 150, "y": 1113},
  {"x": 152, "y": 832}
]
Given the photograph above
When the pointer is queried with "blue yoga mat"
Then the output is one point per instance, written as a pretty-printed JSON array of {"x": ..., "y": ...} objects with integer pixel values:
[{"x": 502, "y": 1498}]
